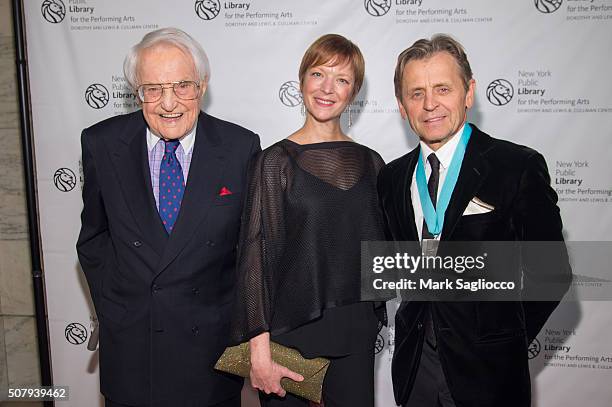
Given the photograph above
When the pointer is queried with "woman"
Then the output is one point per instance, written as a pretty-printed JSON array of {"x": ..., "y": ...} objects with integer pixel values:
[{"x": 311, "y": 201}]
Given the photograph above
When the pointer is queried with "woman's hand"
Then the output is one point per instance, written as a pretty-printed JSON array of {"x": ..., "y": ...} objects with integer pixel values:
[{"x": 266, "y": 374}]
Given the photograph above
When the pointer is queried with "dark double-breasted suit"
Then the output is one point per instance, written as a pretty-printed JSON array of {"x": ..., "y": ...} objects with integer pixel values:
[
  {"x": 482, "y": 346},
  {"x": 163, "y": 301}
]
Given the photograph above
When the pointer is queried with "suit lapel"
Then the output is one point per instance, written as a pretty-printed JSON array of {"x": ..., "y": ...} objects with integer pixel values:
[
  {"x": 473, "y": 172},
  {"x": 131, "y": 161},
  {"x": 403, "y": 199},
  {"x": 203, "y": 182}
]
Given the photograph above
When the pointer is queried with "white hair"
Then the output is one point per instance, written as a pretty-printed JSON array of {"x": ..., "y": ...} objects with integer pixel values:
[{"x": 172, "y": 36}]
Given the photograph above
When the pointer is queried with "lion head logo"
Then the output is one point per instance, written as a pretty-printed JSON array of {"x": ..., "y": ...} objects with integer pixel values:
[
  {"x": 379, "y": 345},
  {"x": 548, "y": 6},
  {"x": 53, "y": 11},
  {"x": 290, "y": 94},
  {"x": 64, "y": 179},
  {"x": 207, "y": 9},
  {"x": 96, "y": 96},
  {"x": 75, "y": 333},
  {"x": 377, "y": 8},
  {"x": 500, "y": 92},
  {"x": 534, "y": 348}
]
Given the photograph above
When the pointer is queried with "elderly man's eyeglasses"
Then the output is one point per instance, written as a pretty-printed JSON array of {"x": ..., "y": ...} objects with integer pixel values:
[{"x": 152, "y": 92}]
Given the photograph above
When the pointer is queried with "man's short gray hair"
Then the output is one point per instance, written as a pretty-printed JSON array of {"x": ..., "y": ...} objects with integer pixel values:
[
  {"x": 426, "y": 48},
  {"x": 171, "y": 36}
]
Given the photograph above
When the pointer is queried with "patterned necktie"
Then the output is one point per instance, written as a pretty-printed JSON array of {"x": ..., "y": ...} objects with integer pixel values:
[
  {"x": 171, "y": 185},
  {"x": 432, "y": 187}
]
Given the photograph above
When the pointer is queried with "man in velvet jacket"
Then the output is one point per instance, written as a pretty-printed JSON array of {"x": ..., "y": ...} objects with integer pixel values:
[
  {"x": 162, "y": 204},
  {"x": 467, "y": 354}
]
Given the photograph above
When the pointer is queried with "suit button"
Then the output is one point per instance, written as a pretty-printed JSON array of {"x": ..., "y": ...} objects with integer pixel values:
[
  {"x": 156, "y": 288},
  {"x": 195, "y": 330},
  {"x": 210, "y": 243},
  {"x": 419, "y": 326},
  {"x": 195, "y": 291},
  {"x": 137, "y": 243}
]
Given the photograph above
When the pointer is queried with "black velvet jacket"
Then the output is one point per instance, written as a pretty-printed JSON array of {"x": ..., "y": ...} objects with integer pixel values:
[{"x": 482, "y": 345}]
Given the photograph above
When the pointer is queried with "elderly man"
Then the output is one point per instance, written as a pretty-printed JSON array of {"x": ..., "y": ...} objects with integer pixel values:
[
  {"x": 478, "y": 189},
  {"x": 162, "y": 202}
]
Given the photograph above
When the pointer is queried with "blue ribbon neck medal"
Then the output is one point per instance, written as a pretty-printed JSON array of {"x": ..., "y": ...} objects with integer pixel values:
[{"x": 434, "y": 217}]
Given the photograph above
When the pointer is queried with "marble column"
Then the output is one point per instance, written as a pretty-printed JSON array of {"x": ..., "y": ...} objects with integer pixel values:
[{"x": 18, "y": 346}]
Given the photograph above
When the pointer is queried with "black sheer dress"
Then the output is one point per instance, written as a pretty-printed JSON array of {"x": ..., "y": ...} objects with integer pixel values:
[{"x": 308, "y": 208}]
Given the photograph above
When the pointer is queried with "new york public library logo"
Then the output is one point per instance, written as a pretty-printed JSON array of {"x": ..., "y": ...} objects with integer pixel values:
[
  {"x": 379, "y": 345},
  {"x": 207, "y": 9},
  {"x": 500, "y": 92},
  {"x": 53, "y": 11},
  {"x": 75, "y": 333},
  {"x": 548, "y": 6},
  {"x": 534, "y": 348},
  {"x": 289, "y": 94},
  {"x": 96, "y": 95},
  {"x": 377, "y": 8},
  {"x": 64, "y": 179}
]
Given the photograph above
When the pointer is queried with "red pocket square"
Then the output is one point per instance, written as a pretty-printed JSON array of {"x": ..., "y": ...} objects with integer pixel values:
[{"x": 225, "y": 191}]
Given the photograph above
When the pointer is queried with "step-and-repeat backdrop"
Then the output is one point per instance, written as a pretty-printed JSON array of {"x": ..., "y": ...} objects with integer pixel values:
[{"x": 543, "y": 79}]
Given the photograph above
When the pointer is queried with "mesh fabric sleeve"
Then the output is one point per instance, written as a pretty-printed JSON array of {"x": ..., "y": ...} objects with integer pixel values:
[{"x": 261, "y": 244}]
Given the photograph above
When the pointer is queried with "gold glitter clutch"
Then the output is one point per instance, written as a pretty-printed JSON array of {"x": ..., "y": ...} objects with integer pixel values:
[{"x": 237, "y": 360}]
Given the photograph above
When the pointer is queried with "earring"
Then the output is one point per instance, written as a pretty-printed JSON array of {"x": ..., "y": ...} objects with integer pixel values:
[
  {"x": 350, "y": 115},
  {"x": 303, "y": 109}
]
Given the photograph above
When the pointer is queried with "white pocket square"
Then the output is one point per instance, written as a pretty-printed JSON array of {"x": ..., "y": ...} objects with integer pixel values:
[{"x": 477, "y": 206}]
